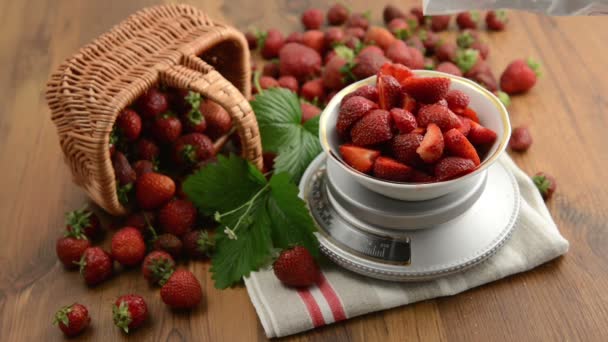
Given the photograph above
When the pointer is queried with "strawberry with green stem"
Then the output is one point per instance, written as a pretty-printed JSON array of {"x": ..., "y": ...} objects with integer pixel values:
[
  {"x": 129, "y": 312},
  {"x": 72, "y": 319},
  {"x": 198, "y": 243},
  {"x": 83, "y": 221},
  {"x": 194, "y": 121},
  {"x": 157, "y": 267},
  {"x": 545, "y": 184}
]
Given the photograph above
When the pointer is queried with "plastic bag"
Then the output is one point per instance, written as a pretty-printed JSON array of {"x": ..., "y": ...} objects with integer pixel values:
[{"x": 551, "y": 7}]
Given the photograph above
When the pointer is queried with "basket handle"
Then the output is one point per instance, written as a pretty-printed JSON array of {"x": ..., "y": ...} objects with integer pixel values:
[{"x": 198, "y": 76}]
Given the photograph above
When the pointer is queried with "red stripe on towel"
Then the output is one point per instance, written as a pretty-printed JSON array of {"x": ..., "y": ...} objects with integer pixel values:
[
  {"x": 313, "y": 308},
  {"x": 332, "y": 298}
]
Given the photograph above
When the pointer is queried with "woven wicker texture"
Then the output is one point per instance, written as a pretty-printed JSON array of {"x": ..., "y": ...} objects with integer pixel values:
[{"x": 176, "y": 45}]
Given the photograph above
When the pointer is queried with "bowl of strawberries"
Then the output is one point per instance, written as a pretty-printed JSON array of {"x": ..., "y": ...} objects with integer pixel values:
[{"x": 414, "y": 134}]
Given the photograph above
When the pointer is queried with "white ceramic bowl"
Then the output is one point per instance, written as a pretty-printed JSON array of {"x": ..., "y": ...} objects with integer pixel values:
[{"x": 491, "y": 112}]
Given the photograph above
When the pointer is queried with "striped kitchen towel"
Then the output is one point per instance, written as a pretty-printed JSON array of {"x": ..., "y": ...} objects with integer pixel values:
[{"x": 340, "y": 294}]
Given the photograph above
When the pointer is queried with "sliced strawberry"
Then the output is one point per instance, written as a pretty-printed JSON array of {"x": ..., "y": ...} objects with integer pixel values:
[
  {"x": 439, "y": 115},
  {"x": 399, "y": 71},
  {"x": 457, "y": 100},
  {"x": 418, "y": 176},
  {"x": 361, "y": 159},
  {"x": 465, "y": 125},
  {"x": 452, "y": 167},
  {"x": 458, "y": 145},
  {"x": 370, "y": 92},
  {"x": 351, "y": 111},
  {"x": 409, "y": 104},
  {"x": 427, "y": 89},
  {"x": 419, "y": 130},
  {"x": 404, "y": 148},
  {"x": 470, "y": 113},
  {"x": 390, "y": 169},
  {"x": 404, "y": 121},
  {"x": 480, "y": 135},
  {"x": 431, "y": 147},
  {"x": 389, "y": 91},
  {"x": 372, "y": 129}
]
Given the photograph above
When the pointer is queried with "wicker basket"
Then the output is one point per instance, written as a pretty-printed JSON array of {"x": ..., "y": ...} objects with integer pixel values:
[{"x": 176, "y": 45}]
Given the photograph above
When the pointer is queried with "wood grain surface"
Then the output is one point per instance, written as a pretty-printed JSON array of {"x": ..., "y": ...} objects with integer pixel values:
[{"x": 566, "y": 299}]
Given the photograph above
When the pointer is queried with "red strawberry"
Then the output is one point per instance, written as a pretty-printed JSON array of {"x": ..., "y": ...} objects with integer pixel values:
[
  {"x": 294, "y": 37},
  {"x": 351, "y": 110},
  {"x": 194, "y": 121},
  {"x": 355, "y": 32},
  {"x": 398, "y": 71},
  {"x": 218, "y": 120},
  {"x": 198, "y": 244},
  {"x": 296, "y": 267},
  {"x": 391, "y": 12},
  {"x": 143, "y": 166},
  {"x": 466, "y": 38},
  {"x": 153, "y": 190},
  {"x": 309, "y": 111},
  {"x": 440, "y": 22},
  {"x": 431, "y": 147},
  {"x": 480, "y": 135},
  {"x": 465, "y": 125},
  {"x": 389, "y": 91},
  {"x": 157, "y": 267},
  {"x": 416, "y": 59},
  {"x": 453, "y": 167},
  {"x": 289, "y": 82},
  {"x": 177, "y": 217},
  {"x": 129, "y": 312},
  {"x": 446, "y": 52},
  {"x": 367, "y": 64},
  {"x": 267, "y": 82},
  {"x": 72, "y": 319},
  {"x": 404, "y": 148},
  {"x": 404, "y": 121},
  {"x": 152, "y": 103},
  {"x": 315, "y": 40},
  {"x": 482, "y": 48},
  {"x": 417, "y": 12},
  {"x": 439, "y": 115},
  {"x": 182, "y": 290},
  {"x": 192, "y": 148},
  {"x": 379, "y": 36},
  {"x": 83, "y": 221},
  {"x": 416, "y": 42},
  {"x": 399, "y": 27},
  {"x": 419, "y": 130},
  {"x": 71, "y": 247},
  {"x": 146, "y": 149},
  {"x": 409, "y": 104},
  {"x": 458, "y": 145},
  {"x": 129, "y": 123},
  {"x": 166, "y": 128},
  {"x": 471, "y": 114},
  {"x": 545, "y": 184},
  {"x": 313, "y": 90},
  {"x": 369, "y": 92},
  {"x": 457, "y": 100},
  {"x": 332, "y": 73},
  {"x": 299, "y": 61},
  {"x": 468, "y": 20},
  {"x": 449, "y": 68},
  {"x": 358, "y": 20},
  {"x": 371, "y": 49},
  {"x": 374, "y": 128},
  {"x": 430, "y": 40},
  {"x": 170, "y": 244},
  {"x": 122, "y": 169},
  {"x": 272, "y": 44},
  {"x": 521, "y": 139},
  {"x": 271, "y": 69},
  {"x": 361, "y": 159},
  {"x": 399, "y": 52},
  {"x": 128, "y": 246},
  {"x": 496, "y": 20},
  {"x": 95, "y": 265},
  {"x": 140, "y": 220},
  {"x": 519, "y": 76},
  {"x": 427, "y": 89},
  {"x": 390, "y": 169},
  {"x": 312, "y": 19},
  {"x": 337, "y": 14}
]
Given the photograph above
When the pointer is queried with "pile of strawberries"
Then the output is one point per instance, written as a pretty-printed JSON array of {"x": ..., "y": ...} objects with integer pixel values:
[{"x": 411, "y": 129}]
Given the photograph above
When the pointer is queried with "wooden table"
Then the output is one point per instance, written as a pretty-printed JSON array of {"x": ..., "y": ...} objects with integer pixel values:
[{"x": 566, "y": 299}]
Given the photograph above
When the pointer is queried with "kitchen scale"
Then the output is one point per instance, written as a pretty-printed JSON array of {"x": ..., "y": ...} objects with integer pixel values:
[{"x": 390, "y": 239}]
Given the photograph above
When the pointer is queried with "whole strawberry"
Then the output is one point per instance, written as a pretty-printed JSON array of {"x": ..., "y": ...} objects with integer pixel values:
[
  {"x": 391, "y": 12},
  {"x": 72, "y": 319},
  {"x": 129, "y": 312},
  {"x": 166, "y": 128},
  {"x": 170, "y": 244},
  {"x": 95, "y": 265},
  {"x": 545, "y": 184},
  {"x": 440, "y": 22},
  {"x": 125, "y": 175},
  {"x": 313, "y": 90},
  {"x": 519, "y": 76},
  {"x": 193, "y": 119},
  {"x": 152, "y": 103},
  {"x": 83, "y": 221},
  {"x": 337, "y": 14},
  {"x": 521, "y": 139},
  {"x": 144, "y": 166},
  {"x": 296, "y": 267},
  {"x": 312, "y": 19},
  {"x": 153, "y": 190},
  {"x": 273, "y": 42},
  {"x": 309, "y": 111},
  {"x": 129, "y": 123},
  {"x": 177, "y": 217},
  {"x": 157, "y": 267},
  {"x": 289, "y": 82},
  {"x": 299, "y": 61},
  {"x": 198, "y": 244},
  {"x": 192, "y": 148},
  {"x": 140, "y": 220},
  {"x": 128, "y": 246},
  {"x": 467, "y": 20},
  {"x": 147, "y": 149},
  {"x": 358, "y": 20},
  {"x": 218, "y": 120},
  {"x": 71, "y": 247},
  {"x": 182, "y": 290},
  {"x": 496, "y": 20}
]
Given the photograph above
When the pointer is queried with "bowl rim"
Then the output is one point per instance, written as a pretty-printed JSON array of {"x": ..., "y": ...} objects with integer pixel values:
[{"x": 337, "y": 99}]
